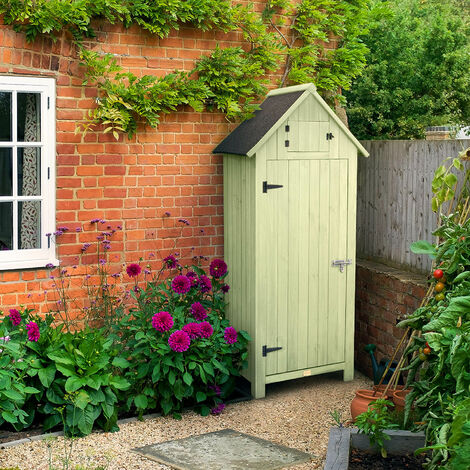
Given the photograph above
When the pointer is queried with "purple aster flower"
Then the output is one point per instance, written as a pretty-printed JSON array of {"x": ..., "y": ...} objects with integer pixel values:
[
  {"x": 33, "y": 331},
  {"x": 133, "y": 270},
  {"x": 85, "y": 247},
  {"x": 102, "y": 262},
  {"x": 181, "y": 284},
  {"x": 115, "y": 275},
  {"x": 179, "y": 341},
  {"x": 184, "y": 221},
  {"x": 63, "y": 229},
  {"x": 78, "y": 229},
  {"x": 162, "y": 321},
  {"x": 15, "y": 316},
  {"x": 218, "y": 409},
  {"x": 198, "y": 311},
  {"x": 216, "y": 388},
  {"x": 230, "y": 335},
  {"x": 94, "y": 221},
  {"x": 205, "y": 329},
  {"x": 49, "y": 266},
  {"x": 218, "y": 268},
  {"x": 225, "y": 288},
  {"x": 171, "y": 262},
  {"x": 167, "y": 214},
  {"x": 193, "y": 330},
  {"x": 205, "y": 284}
]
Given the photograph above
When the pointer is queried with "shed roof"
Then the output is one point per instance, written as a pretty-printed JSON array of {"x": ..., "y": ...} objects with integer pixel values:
[{"x": 278, "y": 105}]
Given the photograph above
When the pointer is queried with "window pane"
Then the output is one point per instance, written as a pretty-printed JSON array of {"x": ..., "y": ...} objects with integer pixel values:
[
  {"x": 6, "y": 226},
  {"x": 5, "y": 116},
  {"x": 29, "y": 117},
  {"x": 6, "y": 171},
  {"x": 29, "y": 225},
  {"x": 29, "y": 171}
]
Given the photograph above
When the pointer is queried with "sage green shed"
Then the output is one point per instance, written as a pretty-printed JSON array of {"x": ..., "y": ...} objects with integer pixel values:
[{"x": 290, "y": 236}]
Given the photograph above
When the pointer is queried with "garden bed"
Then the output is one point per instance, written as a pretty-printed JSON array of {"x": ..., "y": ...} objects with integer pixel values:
[{"x": 342, "y": 440}]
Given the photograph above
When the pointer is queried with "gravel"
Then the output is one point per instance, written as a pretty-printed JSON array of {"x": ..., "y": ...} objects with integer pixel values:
[{"x": 294, "y": 414}]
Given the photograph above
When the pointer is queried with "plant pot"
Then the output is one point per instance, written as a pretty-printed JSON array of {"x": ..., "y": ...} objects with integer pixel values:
[
  {"x": 399, "y": 397},
  {"x": 362, "y": 400},
  {"x": 381, "y": 388}
]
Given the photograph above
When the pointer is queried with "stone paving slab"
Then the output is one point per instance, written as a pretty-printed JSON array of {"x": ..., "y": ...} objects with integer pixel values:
[{"x": 223, "y": 450}]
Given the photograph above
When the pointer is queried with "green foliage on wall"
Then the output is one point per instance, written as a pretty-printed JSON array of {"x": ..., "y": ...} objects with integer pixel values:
[
  {"x": 418, "y": 72},
  {"x": 289, "y": 35}
]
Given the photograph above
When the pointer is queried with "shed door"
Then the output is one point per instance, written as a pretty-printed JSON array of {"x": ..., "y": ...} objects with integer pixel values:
[{"x": 306, "y": 230}]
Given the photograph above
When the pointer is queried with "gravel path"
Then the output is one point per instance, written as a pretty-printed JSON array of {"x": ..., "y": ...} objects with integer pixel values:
[{"x": 294, "y": 414}]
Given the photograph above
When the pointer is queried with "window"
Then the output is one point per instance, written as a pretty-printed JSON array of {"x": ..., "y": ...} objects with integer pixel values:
[{"x": 27, "y": 171}]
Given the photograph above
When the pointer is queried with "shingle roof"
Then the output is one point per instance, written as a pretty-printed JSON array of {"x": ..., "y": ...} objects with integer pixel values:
[{"x": 251, "y": 131}]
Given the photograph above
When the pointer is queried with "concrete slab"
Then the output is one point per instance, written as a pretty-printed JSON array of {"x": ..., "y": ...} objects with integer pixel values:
[{"x": 223, "y": 450}]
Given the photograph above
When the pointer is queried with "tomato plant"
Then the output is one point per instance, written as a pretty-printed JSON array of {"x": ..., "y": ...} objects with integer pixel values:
[
  {"x": 438, "y": 273},
  {"x": 439, "y": 287}
]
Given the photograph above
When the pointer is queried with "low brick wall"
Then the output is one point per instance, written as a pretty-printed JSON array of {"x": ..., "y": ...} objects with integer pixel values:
[{"x": 384, "y": 295}]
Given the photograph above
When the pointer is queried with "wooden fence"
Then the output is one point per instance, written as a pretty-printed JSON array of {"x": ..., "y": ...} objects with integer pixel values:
[{"x": 394, "y": 198}]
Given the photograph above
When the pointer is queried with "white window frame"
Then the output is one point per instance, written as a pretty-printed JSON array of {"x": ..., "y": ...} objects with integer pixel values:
[{"x": 34, "y": 258}]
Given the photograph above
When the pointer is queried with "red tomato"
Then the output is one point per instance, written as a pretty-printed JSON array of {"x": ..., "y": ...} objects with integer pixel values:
[{"x": 438, "y": 273}]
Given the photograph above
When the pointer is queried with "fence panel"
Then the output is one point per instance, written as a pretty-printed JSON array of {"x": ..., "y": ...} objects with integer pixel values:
[{"x": 394, "y": 198}]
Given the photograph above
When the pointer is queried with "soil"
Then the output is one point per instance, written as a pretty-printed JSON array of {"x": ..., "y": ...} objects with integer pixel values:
[
  {"x": 8, "y": 436},
  {"x": 359, "y": 460}
]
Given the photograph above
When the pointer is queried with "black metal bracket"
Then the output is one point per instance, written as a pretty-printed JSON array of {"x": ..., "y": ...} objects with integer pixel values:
[
  {"x": 267, "y": 350},
  {"x": 267, "y": 186},
  {"x": 329, "y": 136}
]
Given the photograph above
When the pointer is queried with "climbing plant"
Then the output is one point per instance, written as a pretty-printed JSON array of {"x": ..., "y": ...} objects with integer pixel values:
[{"x": 289, "y": 35}]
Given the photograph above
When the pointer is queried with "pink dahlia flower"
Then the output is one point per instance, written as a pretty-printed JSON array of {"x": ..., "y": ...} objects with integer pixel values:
[
  {"x": 230, "y": 335},
  {"x": 181, "y": 284},
  {"x": 193, "y": 330},
  {"x": 198, "y": 311},
  {"x": 205, "y": 329},
  {"x": 15, "y": 316},
  {"x": 218, "y": 268},
  {"x": 179, "y": 341},
  {"x": 162, "y": 321},
  {"x": 133, "y": 270},
  {"x": 33, "y": 331},
  {"x": 170, "y": 262}
]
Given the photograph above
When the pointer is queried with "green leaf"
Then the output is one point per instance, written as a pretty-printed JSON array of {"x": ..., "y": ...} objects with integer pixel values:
[
  {"x": 13, "y": 395},
  {"x": 188, "y": 380},
  {"x": 121, "y": 362},
  {"x": 60, "y": 359},
  {"x": 73, "y": 384},
  {"x": 46, "y": 376},
  {"x": 82, "y": 399},
  {"x": 9, "y": 417},
  {"x": 139, "y": 335},
  {"x": 450, "y": 180},
  {"x": 423, "y": 247},
  {"x": 120, "y": 383},
  {"x": 141, "y": 402},
  {"x": 31, "y": 390},
  {"x": 171, "y": 377},
  {"x": 205, "y": 410},
  {"x": 200, "y": 396}
]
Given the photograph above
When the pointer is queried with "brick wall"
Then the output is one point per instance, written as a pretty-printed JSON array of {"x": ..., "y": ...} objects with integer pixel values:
[
  {"x": 383, "y": 296},
  {"x": 131, "y": 183}
]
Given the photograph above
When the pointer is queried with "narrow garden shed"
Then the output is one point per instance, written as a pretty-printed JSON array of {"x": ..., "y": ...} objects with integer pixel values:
[{"x": 290, "y": 224}]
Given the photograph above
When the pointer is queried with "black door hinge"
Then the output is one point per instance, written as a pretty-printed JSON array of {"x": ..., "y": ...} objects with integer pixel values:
[
  {"x": 286, "y": 143},
  {"x": 329, "y": 136},
  {"x": 48, "y": 102},
  {"x": 287, "y": 128},
  {"x": 267, "y": 186},
  {"x": 267, "y": 350}
]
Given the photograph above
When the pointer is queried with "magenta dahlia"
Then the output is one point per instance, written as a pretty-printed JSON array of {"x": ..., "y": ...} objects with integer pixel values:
[
  {"x": 170, "y": 262},
  {"x": 193, "y": 330},
  {"x": 133, "y": 270},
  {"x": 225, "y": 288},
  {"x": 230, "y": 335},
  {"x": 181, "y": 284},
  {"x": 179, "y": 341},
  {"x": 205, "y": 329},
  {"x": 33, "y": 331},
  {"x": 198, "y": 311},
  {"x": 218, "y": 268},
  {"x": 162, "y": 321},
  {"x": 205, "y": 284},
  {"x": 15, "y": 316}
]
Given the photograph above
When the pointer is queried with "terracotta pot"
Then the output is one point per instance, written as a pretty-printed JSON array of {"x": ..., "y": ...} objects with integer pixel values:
[
  {"x": 362, "y": 400},
  {"x": 381, "y": 389},
  {"x": 399, "y": 397}
]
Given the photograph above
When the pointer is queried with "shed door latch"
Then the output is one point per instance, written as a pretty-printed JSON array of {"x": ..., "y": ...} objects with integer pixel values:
[
  {"x": 341, "y": 263},
  {"x": 267, "y": 350},
  {"x": 329, "y": 136},
  {"x": 267, "y": 186}
]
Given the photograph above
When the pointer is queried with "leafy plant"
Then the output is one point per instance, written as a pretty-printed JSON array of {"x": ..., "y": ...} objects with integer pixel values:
[
  {"x": 375, "y": 421},
  {"x": 418, "y": 73}
]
